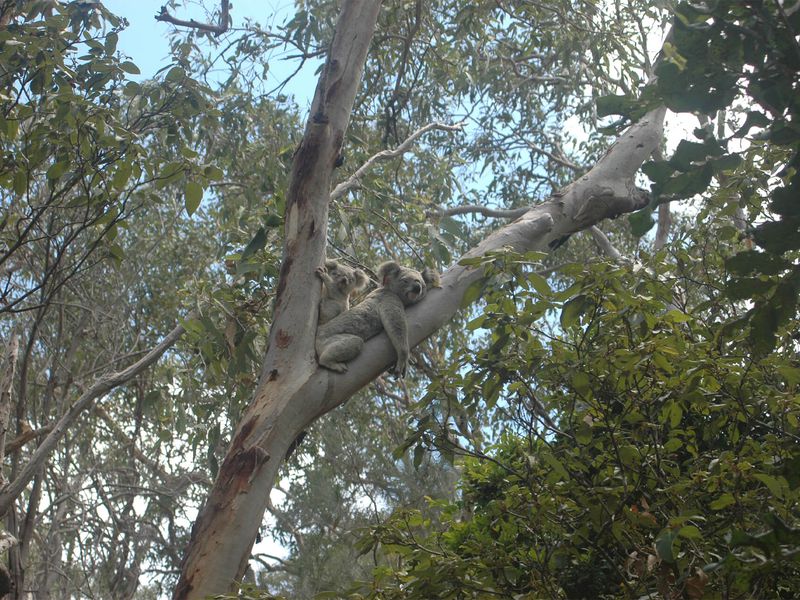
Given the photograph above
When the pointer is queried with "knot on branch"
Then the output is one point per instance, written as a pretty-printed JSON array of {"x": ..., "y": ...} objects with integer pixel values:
[{"x": 605, "y": 202}]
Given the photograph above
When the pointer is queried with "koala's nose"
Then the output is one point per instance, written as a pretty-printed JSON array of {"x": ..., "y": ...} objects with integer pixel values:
[{"x": 416, "y": 288}]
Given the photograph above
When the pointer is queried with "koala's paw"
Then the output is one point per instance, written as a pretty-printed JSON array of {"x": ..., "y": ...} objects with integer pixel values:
[
  {"x": 321, "y": 271},
  {"x": 400, "y": 369},
  {"x": 338, "y": 367}
]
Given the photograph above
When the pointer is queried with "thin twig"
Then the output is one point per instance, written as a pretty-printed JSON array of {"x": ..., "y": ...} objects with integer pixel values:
[
  {"x": 354, "y": 181},
  {"x": 511, "y": 213},
  {"x": 221, "y": 27}
]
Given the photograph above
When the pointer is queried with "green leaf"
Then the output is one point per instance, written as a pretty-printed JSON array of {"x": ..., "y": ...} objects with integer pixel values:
[
  {"x": 175, "y": 75},
  {"x": 213, "y": 173},
  {"x": 664, "y": 545},
  {"x": 121, "y": 175},
  {"x": 754, "y": 119},
  {"x": 57, "y": 169},
  {"x": 723, "y": 501},
  {"x": 572, "y": 310},
  {"x": 130, "y": 68},
  {"x": 686, "y": 185},
  {"x": 193, "y": 193},
  {"x": 753, "y": 261},
  {"x": 777, "y": 485},
  {"x": 747, "y": 287},
  {"x": 616, "y": 105},
  {"x": 472, "y": 293},
  {"x": 419, "y": 454},
  {"x": 257, "y": 243},
  {"x": 688, "y": 154},
  {"x": 779, "y": 236},
  {"x": 641, "y": 221}
]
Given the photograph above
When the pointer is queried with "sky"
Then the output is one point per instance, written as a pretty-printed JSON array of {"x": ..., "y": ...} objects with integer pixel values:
[{"x": 145, "y": 40}]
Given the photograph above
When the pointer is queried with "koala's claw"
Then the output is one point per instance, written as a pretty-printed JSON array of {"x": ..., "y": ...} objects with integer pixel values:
[{"x": 321, "y": 271}]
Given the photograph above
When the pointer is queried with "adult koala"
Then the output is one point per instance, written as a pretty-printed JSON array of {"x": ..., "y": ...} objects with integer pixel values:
[{"x": 341, "y": 339}]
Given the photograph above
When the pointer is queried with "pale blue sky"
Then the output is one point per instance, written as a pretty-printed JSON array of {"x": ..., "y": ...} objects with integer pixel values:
[{"x": 145, "y": 39}]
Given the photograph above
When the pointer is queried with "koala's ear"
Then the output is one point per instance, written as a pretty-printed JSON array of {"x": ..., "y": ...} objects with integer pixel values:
[
  {"x": 361, "y": 279},
  {"x": 386, "y": 270},
  {"x": 431, "y": 277},
  {"x": 331, "y": 264}
]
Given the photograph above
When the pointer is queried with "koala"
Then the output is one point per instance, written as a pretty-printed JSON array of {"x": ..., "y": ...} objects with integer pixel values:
[
  {"x": 341, "y": 339},
  {"x": 340, "y": 282}
]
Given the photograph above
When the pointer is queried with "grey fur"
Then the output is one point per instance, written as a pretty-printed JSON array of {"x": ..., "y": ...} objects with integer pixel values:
[
  {"x": 340, "y": 281},
  {"x": 341, "y": 339}
]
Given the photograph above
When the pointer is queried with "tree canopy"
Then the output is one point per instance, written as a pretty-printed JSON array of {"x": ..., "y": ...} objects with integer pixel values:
[{"x": 603, "y": 400}]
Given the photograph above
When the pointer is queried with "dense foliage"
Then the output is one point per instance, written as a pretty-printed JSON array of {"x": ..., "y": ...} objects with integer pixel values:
[
  {"x": 619, "y": 429},
  {"x": 672, "y": 467}
]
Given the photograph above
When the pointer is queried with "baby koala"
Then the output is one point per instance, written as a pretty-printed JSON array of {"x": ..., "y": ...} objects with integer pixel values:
[
  {"x": 341, "y": 339},
  {"x": 340, "y": 282}
]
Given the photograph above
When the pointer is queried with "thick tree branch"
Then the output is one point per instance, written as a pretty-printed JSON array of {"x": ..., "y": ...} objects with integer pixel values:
[
  {"x": 10, "y": 492},
  {"x": 217, "y": 29},
  {"x": 606, "y": 191},
  {"x": 354, "y": 181}
]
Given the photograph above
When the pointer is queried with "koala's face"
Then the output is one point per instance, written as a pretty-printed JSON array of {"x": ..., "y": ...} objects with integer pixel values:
[
  {"x": 346, "y": 278},
  {"x": 408, "y": 284}
]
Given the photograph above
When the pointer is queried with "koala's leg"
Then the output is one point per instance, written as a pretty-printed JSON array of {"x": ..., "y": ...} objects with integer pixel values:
[{"x": 338, "y": 350}]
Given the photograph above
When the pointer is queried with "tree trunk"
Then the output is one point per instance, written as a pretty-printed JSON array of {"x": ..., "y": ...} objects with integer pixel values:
[
  {"x": 281, "y": 407},
  {"x": 293, "y": 391}
]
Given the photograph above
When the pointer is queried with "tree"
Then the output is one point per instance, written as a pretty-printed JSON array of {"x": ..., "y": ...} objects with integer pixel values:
[
  {"x": 425, "y": 62},
  {"x": 293, "y": 390}
]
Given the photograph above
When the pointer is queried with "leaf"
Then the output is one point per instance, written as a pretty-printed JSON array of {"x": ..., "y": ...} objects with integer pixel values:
[
  {"x": 57, "y": 169},
  {"x": 723, "y": 501},
  {"x": 419, "y": 454},
  {"x": 472, "y": 293},
  {"x": 747, "y": 287},
  {"x": 775, "y": 485},
  {"x": 686, "y": 185},
  {"x": 687, "y": 154},
  {"x": 130, "y": 68},
  {"x": 175, "y": 75},
  {"x": 754, "y": 119},
  {"x": 753, "y": 261},
  {"x": 539, "y": 283},
  {"x": 257, "y": 243},
  {"x": 572, "y": 310},
  {"x": 779, "y": 236},
  {"x": 664, "y": 545},
  {"x": 121, "y": 175},
  {"x": 616, "y": 105},
  {"x": 641, "y": 221},
  {"x": 213, "y": 172},
  {"x": 193, "y": 193}
]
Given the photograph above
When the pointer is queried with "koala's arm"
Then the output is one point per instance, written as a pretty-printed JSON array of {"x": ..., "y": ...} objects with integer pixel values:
[
  {"x": 322, "y": 273},
  {"x": 393, "y": 319}
]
